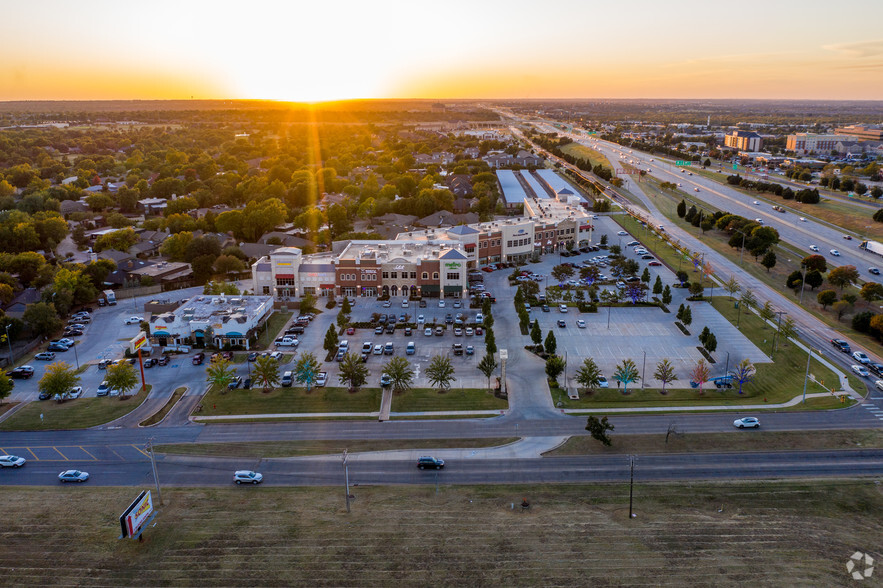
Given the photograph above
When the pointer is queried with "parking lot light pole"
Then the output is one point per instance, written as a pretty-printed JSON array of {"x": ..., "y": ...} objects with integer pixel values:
[
  {"x": 644, "y": 370},
  {"x": 346, "y": 473},
  {"x": 806, "y": 376},
  {"x": 9, "y": 342}
]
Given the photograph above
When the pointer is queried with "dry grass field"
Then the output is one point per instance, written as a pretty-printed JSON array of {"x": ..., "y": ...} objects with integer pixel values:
[{"x": 733, "y": 534}]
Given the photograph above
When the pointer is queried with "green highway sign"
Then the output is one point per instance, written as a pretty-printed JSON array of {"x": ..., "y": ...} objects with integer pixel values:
[
  {"x": 686, "y": 163},
  {"x": 735, "y": 166}
]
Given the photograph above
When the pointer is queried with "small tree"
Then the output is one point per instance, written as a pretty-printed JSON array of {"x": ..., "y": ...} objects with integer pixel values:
[
  {"x": 353, "y": 372},
  {"x": 306, "y": 370},
  {"x": 840, "y": 308},
  {"x": 645, "y": 277},
  {"x": 6, "y": 386},
  {"x": 814, "y": 279},
  {"x": 342, "y": 320},
  {"x": 704, "y": 334},
  {"x": 744, "y": 373},
  {"x": 657, "y": 286},
  {"x": 490, "y": 341},
  {"x": 826, "y": 298},
  {"x": 769, "y": 260},
  {"x": 536, "y": 335},
  {"x": 680, "y": 313},
  {"x": 665, "y": 373},
  {"x": 732, "y": 287},
  {"x": 666, "y": 295},
  {"x": 400, "y": 373},
  {"x": 58, "y": 379},
  {"x": 331, "y": 340},
  {"x": 307, "y": 303},
  {"x": 700, "y": 374},
  {"x": 871, "y": 292},
  {"x": 598, "y": 429},
  {"x": 121, "y": 377},
  {"x": 589, "y": 374},
  {"x": 561, "y": 272},
  {"x": 554, "y": 367},
  {"x": 345, "y": 307},
  {"x": 551, "y": 344},
  {"x": 788, "y": 328},
  {"x": 626, "y": 373},
  {"x": 767, "y": 312},
  {"x": 220, "y": 374},
  {"x": 748, "y": 299},
  {"x": 687, "y": 318},
  {"x": 440, "y": 372},
  {"x": 710, "y": 343},
  {"x": 487, "y": 366},
  {"x": 266, "y": 373}
]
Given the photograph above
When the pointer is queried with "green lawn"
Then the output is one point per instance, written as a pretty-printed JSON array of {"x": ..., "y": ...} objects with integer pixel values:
[
  {"x": 265, "y": 449},
  {"x": 430, "y": 399},
  {"x": 583, "y": 152},
  {"x": 81, "y": 413},
  {"x": 289, "y": 400},
  {"x": 159, "y": 416},
  {"x": 274, "y": 325}
]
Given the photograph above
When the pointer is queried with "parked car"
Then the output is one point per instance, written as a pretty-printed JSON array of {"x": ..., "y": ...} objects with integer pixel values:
[
  {"x": 198, "y": 358},
  {"x": 235, "y": 383},
  {"x": 45, "y": 356},
  {"x": 163, "y": 360},
  {"x": 103, "y": 389},
  {"x": 252, "y": 356},
  {"x": 287, "y": 379},
  {"x": 581, "y": 324},
  {"x": 378, "y": 349},
  {"x": 247, "y": 477},
  {"x": 57, "y": 347},
  {"x": 428, "y": 331},
  {"x": 246, "y": 384},
  {"x": 74, "y": 392},
  {"x": 385, "y": 380},
  {"x": 321, "y": 379},
  {"x": 562, "y": 308},
  {"x": 431, "y": 463},
  {"x": 73, "y": 476},
  {"x": 134, "y": 320},
  {"x": 602, "y": 382},
  {"x": 277, "y": 355},
  {"x": 411, "y": 348},
  {"x": 470, "y": 350},
  {"x": 149, "y": 362},
  {"x": 388, "y": 349},
  {"x": 747, "y": 422},
  {"x": 422, "y": 304}
]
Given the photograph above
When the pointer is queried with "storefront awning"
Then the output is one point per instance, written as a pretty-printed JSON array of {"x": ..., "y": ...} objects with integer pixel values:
[
  {"x": 429, "y": 288},
  {"x": 453, "y": 289}
]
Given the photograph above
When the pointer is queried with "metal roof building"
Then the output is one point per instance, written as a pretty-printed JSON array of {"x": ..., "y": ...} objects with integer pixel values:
[
  {"x": 534, "y": 184},
  {"x": 557, "y": 183},
  {"x": 512, "y": 190}
]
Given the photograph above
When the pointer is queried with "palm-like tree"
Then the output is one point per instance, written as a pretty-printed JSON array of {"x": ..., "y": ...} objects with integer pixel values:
[
  {"x": 400, "y": 373},
  {"x": 266, "y": 373},
  {"x": 626, "y": 373},
  {"x": 487, "y": 366},
  {"x": 352, "y": 372},
  {"x": 440, "y": 372},
  {"x": 665, "y": 373},
  {"x": 220, "y": 374},
  {"x": 306, "y": 370}
]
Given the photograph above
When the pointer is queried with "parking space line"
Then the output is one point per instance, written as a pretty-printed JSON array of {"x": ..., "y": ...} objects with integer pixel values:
[
  {"x": 63, "y": 456},
  {"x": 115, "y": 453},
  {"x": 32, "y": 453},
  {"x": 87, "y": 453},
  {"x": 142, "y": 451}
]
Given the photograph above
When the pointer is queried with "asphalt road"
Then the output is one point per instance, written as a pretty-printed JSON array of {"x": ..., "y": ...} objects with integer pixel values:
[{"x": 181, "y": 471}]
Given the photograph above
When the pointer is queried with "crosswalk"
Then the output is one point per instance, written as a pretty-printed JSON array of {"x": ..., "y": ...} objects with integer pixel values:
[{"x": 874, "y": 409}]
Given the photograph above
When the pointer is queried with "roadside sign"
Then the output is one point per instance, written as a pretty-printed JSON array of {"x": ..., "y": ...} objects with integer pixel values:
[
  {"x": 138, "y": 341},
  {"x": 735, "y": 166},
  {"x": 684, "y": 163}
]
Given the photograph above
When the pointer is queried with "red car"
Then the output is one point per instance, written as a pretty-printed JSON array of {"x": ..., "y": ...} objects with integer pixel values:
[
  {"x": 486, "y": 269},
  {"x": 655, "y": 263},
  {"x": 350, "y": 331}
]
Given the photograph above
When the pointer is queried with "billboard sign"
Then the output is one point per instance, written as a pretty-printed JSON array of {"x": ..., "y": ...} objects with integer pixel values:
[
  {"x": 138, "y": 342},
  {"x": 684, "y": 163},
  {"x": 137, "y": 515}
]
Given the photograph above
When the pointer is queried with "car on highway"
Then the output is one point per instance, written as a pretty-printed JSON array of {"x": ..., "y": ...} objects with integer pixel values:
[
  {"x": 841, "y": 345},
  {"x": 45, "y": 356},
  {"x": 73, "y": 476},
  {"x": 622, "y": 233},
  {"x": 134, "y": 320},
  {"x": 431, "y": 463},
  {"x": 835, "y": 253},
  {"x": 860, "y": 370},
  {"x": 874, "y": 271},
  {"x": 756, "y": 203},
  {"x": 746, "y": 422},
  {"x": 247, "y": 477},
  {"x": 11, "y": 461},
  {"x": 861, "y": 357},
  {"x": 803, "y": 220},
  {"x": 695, "y": 189},
  {"x": 813, "y": 247},
  {"x": 847, "y": 237}
]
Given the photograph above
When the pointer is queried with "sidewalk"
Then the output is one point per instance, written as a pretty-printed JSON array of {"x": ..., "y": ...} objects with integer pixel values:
[
  {"x": 639, "y": 409},
  {"x": 375, "y": 414}
]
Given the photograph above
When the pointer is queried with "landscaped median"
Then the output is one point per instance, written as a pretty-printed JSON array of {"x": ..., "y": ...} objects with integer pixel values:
[
  {"x": 338, "y": 402},
  {"x": 774, "y": 383},
  {"x": 80, "y": 413},
  {"x": 158, "y": 416}
]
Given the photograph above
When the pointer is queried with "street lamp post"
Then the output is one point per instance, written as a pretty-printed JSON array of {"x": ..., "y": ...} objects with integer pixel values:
[
  {"x": 776, "y": 336},
  {"x": 644, "y": 370},
  {"x": 9, "y": 341},
  {"x": 346, "y": 473},
  {"x": 806, "y": 376}
]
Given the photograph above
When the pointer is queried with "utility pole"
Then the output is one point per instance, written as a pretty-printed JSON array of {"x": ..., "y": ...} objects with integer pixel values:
[
  {"x": 631, "y": 485},
  {"x": 153, "y": 465},
  {"x": 346, "y": 473}
]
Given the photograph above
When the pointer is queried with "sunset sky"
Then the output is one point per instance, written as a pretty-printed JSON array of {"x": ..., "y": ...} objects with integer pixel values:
[{"x": 97, "y": 49}]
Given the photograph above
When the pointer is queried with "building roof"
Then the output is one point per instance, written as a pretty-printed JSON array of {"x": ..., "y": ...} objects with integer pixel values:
[
  {"x": 25, "y": 297},
  {"x": 462, "y": 230},
  {"x": 411, "y": 250},
  {"x": 513, "y": 192}
]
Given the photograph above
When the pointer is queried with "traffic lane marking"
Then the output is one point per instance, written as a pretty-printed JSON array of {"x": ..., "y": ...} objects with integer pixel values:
[{"x": 75, "y": 453}]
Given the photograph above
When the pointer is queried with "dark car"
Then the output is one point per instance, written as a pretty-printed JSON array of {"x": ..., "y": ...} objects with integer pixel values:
[
  {"x": 164, "y": 360},
  {"x": 237, "y": 381},
  {"x": 44, "y": 396},
  {"x": 422, "y": 304},
  {"x": 297, "y": 330},
  {"x": 252, "y": 356},
  {"x": 247, "y": 383},
  {"x": 57, "y": 347},
  {"x": 198, "y": 358},
  {"x": 408, "y": 331},
  {"x": 390, "y": 328},
  {"x": 877, "y": 368},
  {"x": 150, "y": 362},
  {"x": 21, "y": 373},
  {"x": 430, "y": 463},
  {"x": 841, "y": 345}
]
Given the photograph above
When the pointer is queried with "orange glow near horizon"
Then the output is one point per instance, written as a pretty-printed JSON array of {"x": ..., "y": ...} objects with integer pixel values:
[{"x": 397, "y": 49}]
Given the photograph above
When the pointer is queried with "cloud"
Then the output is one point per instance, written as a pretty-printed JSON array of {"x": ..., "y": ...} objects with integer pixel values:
[{"x": 857, "y": 49}]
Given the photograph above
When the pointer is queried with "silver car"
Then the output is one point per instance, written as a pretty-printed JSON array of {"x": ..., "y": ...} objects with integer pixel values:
[
  {"x": 247, "y": 477},
  {"x": 12, "y": 461}
]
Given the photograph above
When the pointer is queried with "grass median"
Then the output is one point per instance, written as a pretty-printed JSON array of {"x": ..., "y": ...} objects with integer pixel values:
[
  {"x": 431, "y": 400},
  {"x": 81, "y": 413},
  {"x": 161, "y": 414},
  {"x": 223, "y": 402},
  {"x": 798, "y": 533},
  {"x": 267, "y": 449},
  {"x": 737, "y": 442}
]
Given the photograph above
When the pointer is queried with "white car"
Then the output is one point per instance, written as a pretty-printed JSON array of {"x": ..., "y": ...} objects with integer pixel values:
[
  {"x": 247, "y": 477},
  {"x": 759, "y": 221},
  {"x": 861, "y": 357},
  {"x": 11, "y": 461},
  {"x": 479, "y": 318},
  {"x": 421, "y": 319},
  {"x": 835, "y": 253},
  {"x": 602, "y": 382},
  {"x": 134, "y": 320},
  {"x": 581, "y": 324},
  {"x": 860, "y": 370},
  {"x": 73, "y": 476},
  {"x": 879, "y": 384},
  {"x": 428, "y": 331},
  {"x": 75, "y": 392},
  {"x": 756, "y": 203},
  {"x": 277, "y": 355},
  {"x": 387, "y": 304},
  {"x": 749, "y": 422},
  {"x": 803, "y": 220},
  {"x": 405, "y": 303},
  {"x": 813, "y": 247},
  {"x": 622, "y": 233},
  {"x": 562, "y": 308},
  {"x": 441, "y": 303}
]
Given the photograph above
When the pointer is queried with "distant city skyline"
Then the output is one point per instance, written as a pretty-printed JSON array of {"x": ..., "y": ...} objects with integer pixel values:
[{"x": 100, "y": 49}]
